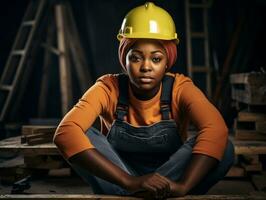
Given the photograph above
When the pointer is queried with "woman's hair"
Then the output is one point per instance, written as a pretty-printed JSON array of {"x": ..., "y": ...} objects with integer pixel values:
[{"x": 168, "y": 45}]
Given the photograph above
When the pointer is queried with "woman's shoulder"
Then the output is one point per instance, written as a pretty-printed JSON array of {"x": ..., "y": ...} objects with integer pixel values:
[
  {"x": 108, "y": 80},
  {"x": 179, "y": 79}
]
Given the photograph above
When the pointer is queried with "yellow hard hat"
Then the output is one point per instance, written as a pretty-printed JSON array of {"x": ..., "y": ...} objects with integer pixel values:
[{"x": 148, "y": 21}]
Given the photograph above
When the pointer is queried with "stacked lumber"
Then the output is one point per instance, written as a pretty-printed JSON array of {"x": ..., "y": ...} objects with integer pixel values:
[
  {"x": 249, "y": 96},
  {"x": 34, "y": 134}
]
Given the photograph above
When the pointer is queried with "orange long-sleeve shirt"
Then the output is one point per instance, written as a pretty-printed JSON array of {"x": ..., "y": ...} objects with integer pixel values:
[{"x": 188, "y": 103}]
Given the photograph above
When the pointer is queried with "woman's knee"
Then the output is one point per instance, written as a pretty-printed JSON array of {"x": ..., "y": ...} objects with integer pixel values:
[
  {"x": 229, "y": 153},
  {"x": 96, "y": 137}
]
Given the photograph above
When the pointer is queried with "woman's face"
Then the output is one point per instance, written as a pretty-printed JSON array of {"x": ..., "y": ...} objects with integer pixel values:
[{"x": 146, "y": 65}]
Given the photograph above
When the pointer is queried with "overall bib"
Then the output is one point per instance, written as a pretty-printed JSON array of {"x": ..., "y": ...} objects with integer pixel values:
[{"x": 145, "y": 148}]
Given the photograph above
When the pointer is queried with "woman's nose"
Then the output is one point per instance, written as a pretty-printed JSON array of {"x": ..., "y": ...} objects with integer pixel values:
[{"x": 146, "y": 65}]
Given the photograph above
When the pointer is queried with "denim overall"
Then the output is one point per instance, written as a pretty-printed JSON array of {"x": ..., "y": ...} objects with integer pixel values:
[
  {"x": 148, "y": 149},
  {"x": 145, "y": 148}
]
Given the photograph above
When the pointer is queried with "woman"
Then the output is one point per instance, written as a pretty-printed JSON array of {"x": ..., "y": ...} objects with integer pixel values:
[{"x": 142, "y": 148}]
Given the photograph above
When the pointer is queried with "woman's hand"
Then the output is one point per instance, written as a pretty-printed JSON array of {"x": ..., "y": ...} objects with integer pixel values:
[
  {"x": 177, "y": 189},
  {"x": 150, "y": 186}
]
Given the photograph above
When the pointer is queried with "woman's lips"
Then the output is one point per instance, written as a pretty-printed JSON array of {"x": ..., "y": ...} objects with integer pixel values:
[{"x": 145, "y": 79}]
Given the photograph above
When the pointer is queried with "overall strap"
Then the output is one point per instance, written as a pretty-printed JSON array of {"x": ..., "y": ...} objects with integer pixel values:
[
  {"x": 166, "y": 96},
  {"x": 122, "y": 104}
]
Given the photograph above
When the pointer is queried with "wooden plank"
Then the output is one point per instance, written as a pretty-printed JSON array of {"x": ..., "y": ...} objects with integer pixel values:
[
  {"x": 251, "y": 116},
  {"x": 13, "y": 144},
  {"x": 64, "y": 66},
  {"x": 250, "y": 147},
  {"x": 255, "y": 78},
  {"x": 38, "y": 138},
  {"x": 62, "y": 172},
  {"x": 249, "y": 135},
  {"x": 36, "y": 141},
  {"x": 112, "y": 197}
]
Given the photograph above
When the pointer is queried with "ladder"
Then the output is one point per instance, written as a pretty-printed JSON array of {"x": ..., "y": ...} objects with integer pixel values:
[
  {"x": 67, "y": 48},
  {"x": 197, "y": 41},
  {"x": 16, "y": 62}
]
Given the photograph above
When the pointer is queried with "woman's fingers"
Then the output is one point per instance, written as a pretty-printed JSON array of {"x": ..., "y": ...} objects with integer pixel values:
[
  {"x": 160, "y": 187},
  {"x": 156, "y": 185},
  {"x": 166, "y": 184}
]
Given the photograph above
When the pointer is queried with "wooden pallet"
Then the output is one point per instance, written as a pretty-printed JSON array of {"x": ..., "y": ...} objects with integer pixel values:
[{"x": 249, "y": 88}]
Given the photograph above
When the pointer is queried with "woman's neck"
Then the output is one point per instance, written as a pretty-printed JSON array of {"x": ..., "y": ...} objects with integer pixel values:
[{"x": 144, "y": 94}]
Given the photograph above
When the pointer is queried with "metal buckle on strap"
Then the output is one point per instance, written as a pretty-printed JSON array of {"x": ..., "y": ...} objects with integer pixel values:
[
  {"x": 165, "y": 111},
  {"x": 122, "y": 107},
  {"x": 121, "y": 111},
  {"x": 165, "y": 107}
]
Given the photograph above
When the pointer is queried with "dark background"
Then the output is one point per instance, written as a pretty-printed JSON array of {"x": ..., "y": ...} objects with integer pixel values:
[{"x": 98, "y": 23}]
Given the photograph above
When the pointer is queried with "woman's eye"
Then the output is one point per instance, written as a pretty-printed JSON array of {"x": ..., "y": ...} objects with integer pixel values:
[
  {"x": 156, "y": 60},
  {"x": 134, "y": 58}
]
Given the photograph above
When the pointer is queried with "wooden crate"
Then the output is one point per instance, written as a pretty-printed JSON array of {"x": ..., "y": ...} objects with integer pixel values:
[
  {"x": 250, "y": 126},
  {"x": 249, "y": 88}
]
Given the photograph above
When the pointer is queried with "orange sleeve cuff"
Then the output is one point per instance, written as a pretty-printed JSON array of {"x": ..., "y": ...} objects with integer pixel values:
[
  {"x": 211, "y": 151},
  {"x": 69, "y": 145},
  {"x": 212, "y": 146}
]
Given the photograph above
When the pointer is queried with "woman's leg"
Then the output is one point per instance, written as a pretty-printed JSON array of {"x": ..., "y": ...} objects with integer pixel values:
[
  {"x": 99, "y": 185},
  {"x": 175, "y": 166}
]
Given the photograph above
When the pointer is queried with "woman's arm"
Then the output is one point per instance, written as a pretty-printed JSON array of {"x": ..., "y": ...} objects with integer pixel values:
[
  {"x": 95, "y": 163},
  {"x": 197, "y": 168},
  {"x": 211, "y": 137}
]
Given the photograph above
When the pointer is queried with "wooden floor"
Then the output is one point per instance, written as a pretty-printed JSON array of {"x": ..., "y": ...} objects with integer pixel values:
[
  {"x": 107, "y": 197},
  {"x": 14, "y": 144}
]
